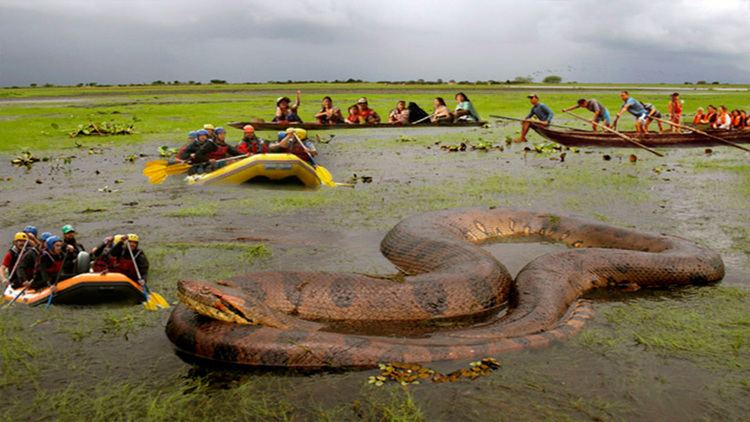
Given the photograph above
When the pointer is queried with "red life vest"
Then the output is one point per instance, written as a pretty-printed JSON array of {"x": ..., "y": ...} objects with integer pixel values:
[
  {"x": 253, "y": 146},
  {"x": 126, "y": 266},
  {"x": 219, "y": 153},
  {"x": 57, "y": 263}
]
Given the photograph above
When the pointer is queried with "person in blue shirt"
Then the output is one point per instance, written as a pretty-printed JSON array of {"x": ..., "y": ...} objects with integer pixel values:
[
  {"x": 539, "y": 110},
  {"x": 634, "y": 107}
]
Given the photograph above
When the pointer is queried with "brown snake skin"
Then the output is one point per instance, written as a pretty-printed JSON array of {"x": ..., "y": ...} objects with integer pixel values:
[{"x": 450, "y": 277}]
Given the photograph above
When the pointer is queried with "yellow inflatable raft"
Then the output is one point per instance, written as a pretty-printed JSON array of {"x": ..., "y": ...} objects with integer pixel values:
[
  {"x": 89, "y": 288},
  {"x": 266, "y": 166}
]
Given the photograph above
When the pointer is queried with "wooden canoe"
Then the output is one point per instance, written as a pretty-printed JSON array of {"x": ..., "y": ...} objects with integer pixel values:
[
  {"x": 586, "y": 138},
  {"x": 318, "y": 126}
]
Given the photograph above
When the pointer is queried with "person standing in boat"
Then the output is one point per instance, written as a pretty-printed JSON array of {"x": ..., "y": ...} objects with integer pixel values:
[
  {"x": 674, "y": 108},
  {"x": 634, "y": 107},
  {"x": 652, "y": 113},
  {"x": 465, "y": 111},
  {"x": 539, "y": 110},
  {"x": 286, "y": 112},
  {"x": 366, "y": 114},
  {"x": 399, "y": 115},
  {"x": 601, "y": 114},
  {"x": 441, "y": 112},
  {"x": 328, "y": 114}
]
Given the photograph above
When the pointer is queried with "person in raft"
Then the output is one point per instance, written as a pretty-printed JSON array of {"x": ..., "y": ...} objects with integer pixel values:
[
  {"x": 79, "y": 261},
  {"x": 353, "y": 117},
  {"x": 399, "y": 115},
  {"x": 328, "y": 114},
  {"x": 131, "y": 260},
  {"x": 601, "y": 114},
  {"x": 366, "y": 114},
  {"x": 51, "y": 263},
  {"x": 465, "y": 111},
  {"x": 251, "y": 143},
  {"x": 674, "y": 108},
  {"x": 196, "y": 139},
  {"x": 634, "y": 107},
  {"x": 286, "y": 112},
  {"x": 17, "y": 251},
  {"x": 107, "y": 254},
  {"x": 539, "y": 110},
  {"x": 207, "y": 158},
  {"x": 441, "y": 112},
  {"x": 208, "y": 127},
  {"x": 295, "y": 142}
]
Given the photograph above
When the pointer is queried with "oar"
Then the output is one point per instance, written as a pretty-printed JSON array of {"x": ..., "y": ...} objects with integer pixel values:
[
  {"x": 627, "y": 138},
  {"x": 423, "y": 119},
  {"x": 157, "y": 174},
  {"x": 692, "y": 129},
  {"x": 13, "y": 271},
  {"x": 153, "y": 300}
]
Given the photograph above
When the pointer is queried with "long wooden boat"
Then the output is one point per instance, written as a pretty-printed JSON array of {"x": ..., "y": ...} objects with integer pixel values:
[
  {"x": 581, "y": 138},
  {"x": 339, "y": 126}
]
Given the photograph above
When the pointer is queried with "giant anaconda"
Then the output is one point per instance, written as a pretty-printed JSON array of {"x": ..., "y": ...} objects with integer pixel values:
[{"x": 448, "y": 276}]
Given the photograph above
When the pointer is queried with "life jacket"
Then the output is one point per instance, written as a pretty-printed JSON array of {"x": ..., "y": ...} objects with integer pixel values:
[
  {"x": 104, "y": 261},
  {"x": 698, "y": 119},
  {"x": 353, "y": 118},
  {"x": 737, "y": 121},
  {"x": 366, "y": 114},
  {"x": 220, "y": 151},
  {"x": 297, "y": 149},
  {"x": 28, "y": 272},
  {"x": 57, "y": 263},
  {"x": 253, "y": 146},
  {"x": 126, "y": 266},
  {"x": 676, "y": 107}
]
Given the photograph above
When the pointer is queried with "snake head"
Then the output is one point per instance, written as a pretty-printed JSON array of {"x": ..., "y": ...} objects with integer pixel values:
[{"x": 218, "y": 302}]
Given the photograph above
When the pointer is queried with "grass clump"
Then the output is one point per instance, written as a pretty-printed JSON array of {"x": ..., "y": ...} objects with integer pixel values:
[
  {"x": 16, "y": 351},
  {"x": 250, "y": 252}
]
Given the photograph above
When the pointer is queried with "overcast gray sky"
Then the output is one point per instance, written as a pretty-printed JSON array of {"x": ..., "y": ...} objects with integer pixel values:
[{"x": 114, "y": 41}]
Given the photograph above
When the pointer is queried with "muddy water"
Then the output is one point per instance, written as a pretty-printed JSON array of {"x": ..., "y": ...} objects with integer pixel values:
[{"x": 183, "y": 230}]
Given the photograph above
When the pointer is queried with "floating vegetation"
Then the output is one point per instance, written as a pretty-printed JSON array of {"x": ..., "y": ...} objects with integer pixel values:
[
  {"x": 25, "y": 159},
  {"x": 167, "y": 152},
  {"x": 103, "y": 129},
  {"x": 413, "y": 373}
]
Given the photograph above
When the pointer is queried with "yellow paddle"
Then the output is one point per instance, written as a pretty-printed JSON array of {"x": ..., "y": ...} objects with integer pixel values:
[
  {"x": 158, "y": 170},
  {"x": 324, "y": 175},
  {"x": 153, "y": 300}
]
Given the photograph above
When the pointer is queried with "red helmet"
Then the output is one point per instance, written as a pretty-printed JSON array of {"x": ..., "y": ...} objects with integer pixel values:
[{"x": 248, "y": 129}]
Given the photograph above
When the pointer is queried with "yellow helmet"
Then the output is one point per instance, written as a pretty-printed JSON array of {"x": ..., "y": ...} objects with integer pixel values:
[
  {"x": 20, "y": 236},
  {"x": 118, "y": 238},
  {"x": 301, "y": 133},
  {"x": 133, "y": 237},
  {"x": 208, "y": 126}
]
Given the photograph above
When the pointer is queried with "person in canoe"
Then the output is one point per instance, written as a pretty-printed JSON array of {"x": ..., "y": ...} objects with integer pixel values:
[
  {"x": 539, "y": 110},
  {"x": 711, "y": 115},
  {"x": 353, "y": 117},
  {"x": 80, "y": 259},
  {"x": 251, "y": 143},
  {"x": 674, "y": 108},
  {"x": 441, "y": 112},
  {"x": 328, "y": 114},
  {"x": 652, "y": 113},
  {"x": 295, "y": 142},
  {"x": 465, "y": 111},
  {"x": 738, "y": 119},
  {"x": 366, "y": 114},
  {"x": 723, "y": 119},
  {"x": 634, "y": 107},
  {"x": 601, "y": 114},
  {"x": 286, "y": 112},
  {"x": 132, "y": 260},
  {"x": 399, "y": 115},
  {"x": 51, "y": 263},
  {"x": 700, "y": 117},
  {"x": 18, "y": 249}
]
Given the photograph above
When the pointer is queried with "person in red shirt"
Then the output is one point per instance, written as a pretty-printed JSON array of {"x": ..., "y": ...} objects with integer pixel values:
[
  {"x": 366, "y": 113},
  {"x": 674, "y": 108},
  {"x": 353, "y": 117},
  {"x": 250, "y": 143}
]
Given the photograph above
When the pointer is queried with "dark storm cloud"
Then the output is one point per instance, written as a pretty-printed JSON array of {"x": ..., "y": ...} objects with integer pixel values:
[{"x": 586, "y": 40}]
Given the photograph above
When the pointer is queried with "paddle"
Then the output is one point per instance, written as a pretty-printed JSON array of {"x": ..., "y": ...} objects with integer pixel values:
[
  {"x": 325, "y": 176},
  {"x": 423, "y": 119},
  {"x": 153, "y": 300},
  {"x": 159, "y": 170},
  {"x": 627, "y": 138},
  {"x": 13, "y": 271},
  {"x": 692, "y": 129},
  {"x": 57, "y": 278}
]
